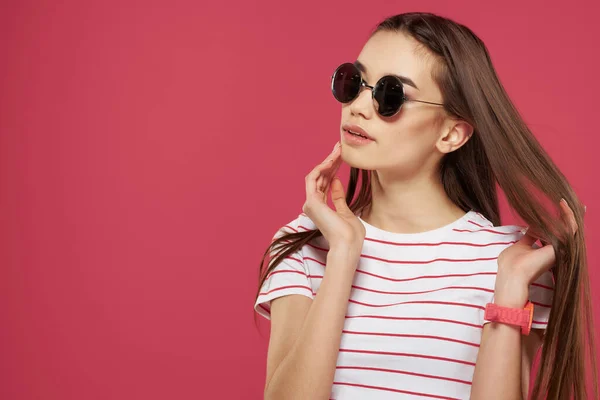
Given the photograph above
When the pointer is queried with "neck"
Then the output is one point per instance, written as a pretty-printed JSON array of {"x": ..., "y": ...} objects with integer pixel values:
[{"x": 414, "y": 205}]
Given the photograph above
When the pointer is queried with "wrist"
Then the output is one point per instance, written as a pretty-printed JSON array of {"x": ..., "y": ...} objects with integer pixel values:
[
  {"x": 343, "y": 254},
  {"x": 510, "y": 291},
  {"x": 510, "y": 301}
]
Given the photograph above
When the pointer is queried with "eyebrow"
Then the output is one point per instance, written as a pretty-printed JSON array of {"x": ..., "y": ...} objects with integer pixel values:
[{"x": 403, "y": 79}]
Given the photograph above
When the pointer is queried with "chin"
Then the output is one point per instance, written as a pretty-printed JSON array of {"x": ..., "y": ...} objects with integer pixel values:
[{"x": 355, "y": 162}]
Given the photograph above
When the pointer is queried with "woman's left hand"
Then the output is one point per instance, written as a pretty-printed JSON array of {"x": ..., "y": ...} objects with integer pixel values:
[{"x": 520, "y": 264}]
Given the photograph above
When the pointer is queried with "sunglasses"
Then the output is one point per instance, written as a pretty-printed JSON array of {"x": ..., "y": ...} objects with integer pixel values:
[{"x": 388, "y": 93}]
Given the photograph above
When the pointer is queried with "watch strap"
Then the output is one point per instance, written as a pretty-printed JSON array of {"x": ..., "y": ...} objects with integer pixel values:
[{"x": 522, "y": 317}]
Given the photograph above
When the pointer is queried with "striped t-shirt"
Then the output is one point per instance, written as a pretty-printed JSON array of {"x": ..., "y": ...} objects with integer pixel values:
[{"x": 415, "y": 315}]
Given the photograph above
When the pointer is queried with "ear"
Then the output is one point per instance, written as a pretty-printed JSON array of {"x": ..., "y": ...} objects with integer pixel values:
[{"x": 454, "y": 135}]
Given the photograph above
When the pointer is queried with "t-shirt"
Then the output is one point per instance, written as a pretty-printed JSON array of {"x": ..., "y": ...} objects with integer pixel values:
[{"x": 415, "y": 314}]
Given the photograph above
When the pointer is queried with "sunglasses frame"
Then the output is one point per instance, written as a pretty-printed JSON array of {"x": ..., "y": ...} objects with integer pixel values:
[{"x": 363, "y": 83}]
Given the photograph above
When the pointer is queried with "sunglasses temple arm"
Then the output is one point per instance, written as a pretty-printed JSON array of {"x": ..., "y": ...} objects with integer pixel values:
[{"x": 427, "y": 102}]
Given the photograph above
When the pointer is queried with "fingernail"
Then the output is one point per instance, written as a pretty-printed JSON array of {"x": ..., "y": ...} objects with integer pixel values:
[
  {"x": 563, "y": 200},
  {"x": 336, "y": 146}
]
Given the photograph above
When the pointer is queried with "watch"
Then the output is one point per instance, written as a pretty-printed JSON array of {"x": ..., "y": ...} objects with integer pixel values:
[{"x": 522, "y": 317}]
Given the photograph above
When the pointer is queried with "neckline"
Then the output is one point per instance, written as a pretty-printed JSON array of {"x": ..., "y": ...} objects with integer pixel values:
[{"x": 379, "y": 233}]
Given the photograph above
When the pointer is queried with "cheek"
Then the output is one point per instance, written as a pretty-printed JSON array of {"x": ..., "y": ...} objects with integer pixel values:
[{"x": 410, "y": 142}]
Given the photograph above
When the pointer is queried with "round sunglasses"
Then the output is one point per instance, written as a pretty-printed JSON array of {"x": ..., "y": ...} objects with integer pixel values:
[{"x": 388, "y": 93}]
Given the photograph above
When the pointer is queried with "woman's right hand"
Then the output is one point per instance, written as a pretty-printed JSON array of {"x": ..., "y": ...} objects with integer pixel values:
[{"x": 341, "y": 228}]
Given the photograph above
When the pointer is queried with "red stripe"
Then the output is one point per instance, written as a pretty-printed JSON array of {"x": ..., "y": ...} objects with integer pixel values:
[
  {"x": 294, "y": 272},
  {"x": 286, "y": 270},
  {"x": 412, "y": 336},
  {"x": 388, "y": 353},
  {"x": 393, "y": 279},
  {"x": 486, "y": 230},
  {"x": 418, "y": 302},
  {"x": 425, "y": 291},
  {"x": 287, "y": 287},
  {"x": 396, "y": 371},
  {"x": 423, "y": 277},
  {"x": 437, "y": 244},
  {"x": 440, "y": 243},
  {"x": 402, "y": 280},
  {"x": 476, "y": 224},
  {"x": 413, "y": 262},
  {"x": 416, "y": 319},
  {"x": 287, "y": 257},
  {"x": 295, "y": 259},
  {"x": 265, "y": 309},
  {"x": 315, "y": 260},
  {"x": 394, "y": 390},
  {"x": 428, "y": 261},
  {"x": 316, "y": 247}
]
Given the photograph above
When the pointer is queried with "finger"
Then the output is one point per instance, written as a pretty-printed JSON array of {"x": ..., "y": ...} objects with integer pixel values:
[
  {"x": 545, "y": 259},
  {"x": 314, "y": 175},
  {"x": 326, "y": 163},
  {"x": 328, "y": 173},
  {"x": 336, "y": 149},
  {"x": 331, "y": 172},
  {"x": 310, "y": 182},
  {"x": 568, "y": 216},
  {"x": 338, "y": 196},
  {"x": 320, "y": 184}
]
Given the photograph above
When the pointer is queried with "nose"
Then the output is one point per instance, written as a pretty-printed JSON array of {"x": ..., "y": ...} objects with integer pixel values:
[{"x": 363, "y": 103}]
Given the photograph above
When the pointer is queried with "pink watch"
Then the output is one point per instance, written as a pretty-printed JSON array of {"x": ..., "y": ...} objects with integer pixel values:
[{"x": 522, "y": 317}]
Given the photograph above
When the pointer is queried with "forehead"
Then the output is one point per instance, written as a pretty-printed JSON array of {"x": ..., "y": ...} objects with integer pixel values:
[{"x": 396, "y": 53}]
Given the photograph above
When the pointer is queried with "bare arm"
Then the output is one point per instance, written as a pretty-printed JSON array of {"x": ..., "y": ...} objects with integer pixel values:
[
  {"x": 498, "y": 370},
  {"x": 305, "y": 335},
  {"x": 504, "y": 358},
  {"x": 504, "y": 363}
]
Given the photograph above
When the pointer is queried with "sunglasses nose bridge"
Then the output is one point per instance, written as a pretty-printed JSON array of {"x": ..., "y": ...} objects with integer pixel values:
[{"x": 363, "y": 84}]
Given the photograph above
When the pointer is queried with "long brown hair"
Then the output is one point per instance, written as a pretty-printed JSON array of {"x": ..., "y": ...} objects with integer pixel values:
[{"x": 503, "y": 151}]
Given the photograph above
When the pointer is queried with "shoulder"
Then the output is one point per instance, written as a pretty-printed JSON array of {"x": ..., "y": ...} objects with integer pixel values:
[
  {"x": 301, "y": 223},
  {"x": 477, "y": 227}
]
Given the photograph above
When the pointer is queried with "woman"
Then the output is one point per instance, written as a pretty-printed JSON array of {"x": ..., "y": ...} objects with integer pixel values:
[{"x": 393, "y": 294}]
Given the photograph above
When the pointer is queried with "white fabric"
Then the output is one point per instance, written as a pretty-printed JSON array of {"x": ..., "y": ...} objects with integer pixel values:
[{"x": 415, "y": 314}]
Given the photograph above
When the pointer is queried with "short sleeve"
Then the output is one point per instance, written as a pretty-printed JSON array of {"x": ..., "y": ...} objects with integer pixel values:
[
  {"x": 540, "y": 294},
  {"x": 290, "y": 276}
]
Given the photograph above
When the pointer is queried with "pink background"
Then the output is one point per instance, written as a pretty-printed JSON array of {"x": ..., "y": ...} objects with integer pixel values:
[{"x": 150, "y": 150}]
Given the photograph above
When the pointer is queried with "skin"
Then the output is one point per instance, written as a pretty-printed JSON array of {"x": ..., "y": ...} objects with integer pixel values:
[
  {"x": 407, "y": 191},
  {"x": 505, "y": 355},
  {"x": 408, "y": 197}
]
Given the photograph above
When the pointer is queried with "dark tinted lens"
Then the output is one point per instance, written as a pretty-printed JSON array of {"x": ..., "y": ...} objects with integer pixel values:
[
  {"x": 389, "y": 95},
  {"x": 345, "y": 83}
]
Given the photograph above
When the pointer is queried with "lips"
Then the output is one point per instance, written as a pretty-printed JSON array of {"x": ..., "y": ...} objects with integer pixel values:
[{"x": 355, "y": 129}]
